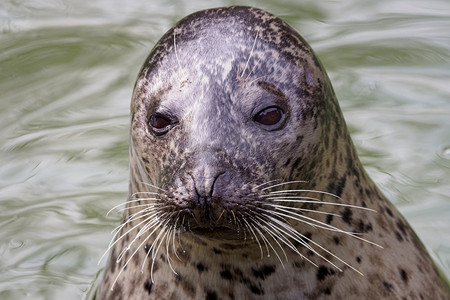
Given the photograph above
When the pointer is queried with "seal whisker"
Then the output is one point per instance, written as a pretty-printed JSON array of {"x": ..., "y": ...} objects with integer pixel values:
[
  {"x": 304, "y": 219},
  {"x": 273, "y": 233},
  {"x": 283, "y": 183},
  {"x": 284, "y": 235},
  {"x": 128, "y": 202},
  {"x": 156, "y": 252},
  {"x": 300, "y": 239},
  {"x": 136, "y": 216},
  {"x": 305, "y": 191},
  {"x": 299, "y": 200},
  {"x": 138, "y": 235},
  {"x": 176, "y": 233},
  {"x": 256, "y": 237},
  {"x": 251, "y": 53},
  {"x": 167, "y": 241},
  {"x": 115, "y": 240},
  {"x": 129, "y": 259},
  {"x": 251, "y": 71},
  {"x": 267, "y": 242},
  {"x": 318, "y": 224},
  {"x": 220, "y": 216},
  {"x": 265, "y": 183},
  {"x": 149, "y": 206},
  {"x": 153, "y": 186},
  {"x": 301, "y": 209},
  {"x": 335, "y": 256}
]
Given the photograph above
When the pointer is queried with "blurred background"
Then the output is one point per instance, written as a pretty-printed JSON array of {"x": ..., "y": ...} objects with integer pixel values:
[{"x": 67, "y": 70}]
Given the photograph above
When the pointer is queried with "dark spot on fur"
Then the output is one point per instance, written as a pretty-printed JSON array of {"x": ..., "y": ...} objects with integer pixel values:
[
  {"x": 364, "y": 228},
  {"x": 163, "y": 257},
  {"x": 336, "y": 240},
  {"x": 210, "y": 295},
  {"x": 148, "y": 286},
  {"x": 177, "y": 278},
  {"x": 228, "y": 246},
  {"x": 387, "y": 286},
  {"x": 404, "y": 276},
  {"x": 287, "y": 162},
  {"x": 323, "y": 272},
  {"x": 256, "y": 290},
  {"x": 226, "y": 274},
  {"x": 117, "y": 292},
  {"x": 200, "y": 267},
  {"x": 217, "y": 251},
  {"x": 307, "y": 236},
  {"x": 358, "y": 259},
  {"x": 148, "y": 250},
  {"x": 347, "y": 216},
  {"x": 389, "y": 211},
  {"x": 329, "y": 219},
  {"x": 327, "y": 291},
  {"x": 340, "y": 186},
  {"x": 263, "y": 272},
  {"x": 399, "y": 236},
  {"x": 401, "y": 226}
]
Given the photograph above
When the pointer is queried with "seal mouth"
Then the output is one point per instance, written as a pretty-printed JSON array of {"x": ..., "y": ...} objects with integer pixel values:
[{"x": 216, "y": 232}]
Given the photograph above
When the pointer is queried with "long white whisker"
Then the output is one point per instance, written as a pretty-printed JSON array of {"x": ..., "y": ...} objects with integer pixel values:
[
  {"x": 267, "y": 243},
  {"x": 251, "y": 53},
  {"x": 256, "y": 237},
  {"x": 300, "y": 209},
  {"x": 128, "y": 261},
  {"x": 300, "y": 200},
  {"x": 284, "y": 229},
  {"x": 305, "y": 191},
  {"x": 265, "y": 183},
  {"x": 317, "y": 224},
  {"x": 114, "y": 240},
  {"x": 282, "y": 183},
  {"x": 273, "y": 234},
  {"x": 153, "y": 186}
]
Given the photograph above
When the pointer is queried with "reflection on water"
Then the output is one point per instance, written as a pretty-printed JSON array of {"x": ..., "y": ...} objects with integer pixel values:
[{"x": 67, "y": 69}]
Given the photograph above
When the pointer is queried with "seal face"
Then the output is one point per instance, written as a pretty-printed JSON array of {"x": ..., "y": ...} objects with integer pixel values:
[{"x": 244, "y": 180}]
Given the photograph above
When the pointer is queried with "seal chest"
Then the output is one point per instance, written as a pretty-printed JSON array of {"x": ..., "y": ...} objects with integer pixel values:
[{"x": 244, "y": 181}]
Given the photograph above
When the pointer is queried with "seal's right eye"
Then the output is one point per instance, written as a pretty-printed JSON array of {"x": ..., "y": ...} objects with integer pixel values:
[{"x": 160, "y": 124}]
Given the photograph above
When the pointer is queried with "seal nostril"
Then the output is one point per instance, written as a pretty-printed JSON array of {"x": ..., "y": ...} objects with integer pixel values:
[{"x": 211, "y": 192}]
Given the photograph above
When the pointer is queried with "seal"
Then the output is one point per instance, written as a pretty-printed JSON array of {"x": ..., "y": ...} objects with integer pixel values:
[{"x": 244, "y": 181}]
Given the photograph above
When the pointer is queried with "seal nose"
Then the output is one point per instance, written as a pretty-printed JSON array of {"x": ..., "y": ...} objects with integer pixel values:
[
  {"x": 209, "y": 181},
  {"x": 205, "y": 177}
]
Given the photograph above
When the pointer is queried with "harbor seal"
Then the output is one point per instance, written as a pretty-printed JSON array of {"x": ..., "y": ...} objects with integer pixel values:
[{"x": 244, "y": 181}]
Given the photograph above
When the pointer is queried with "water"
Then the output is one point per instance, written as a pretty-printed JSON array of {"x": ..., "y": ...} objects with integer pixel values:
[{"x": 67, "y": 69}]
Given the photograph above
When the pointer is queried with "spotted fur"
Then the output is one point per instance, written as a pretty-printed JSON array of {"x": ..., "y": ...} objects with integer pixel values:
[{"x": 221, "y": 207}]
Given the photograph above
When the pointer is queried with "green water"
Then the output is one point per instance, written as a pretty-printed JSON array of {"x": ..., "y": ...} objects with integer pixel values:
[{"x": 67, "y": 69}]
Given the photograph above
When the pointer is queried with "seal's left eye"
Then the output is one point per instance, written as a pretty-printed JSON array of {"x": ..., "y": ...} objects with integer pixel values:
[
  {"x": 269, "y": 116},
  {"x": 160, "y": 124}
]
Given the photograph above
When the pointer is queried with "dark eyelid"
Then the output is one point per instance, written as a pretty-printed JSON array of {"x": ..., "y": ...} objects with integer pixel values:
[{"x": 271, "y": 88}]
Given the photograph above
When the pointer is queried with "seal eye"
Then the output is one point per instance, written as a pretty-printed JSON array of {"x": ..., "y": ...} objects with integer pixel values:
[
  {"x": 160, "y": 124},
  {"x": 269, "y": 116}
]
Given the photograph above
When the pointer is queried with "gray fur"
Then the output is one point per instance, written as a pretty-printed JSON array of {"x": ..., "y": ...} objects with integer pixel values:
[{"x": 211, "y": 183}]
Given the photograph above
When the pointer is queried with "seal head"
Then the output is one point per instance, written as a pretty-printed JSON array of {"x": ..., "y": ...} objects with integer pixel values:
[{"x": 245, "y": 182}]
